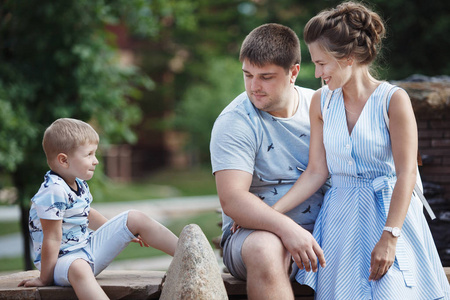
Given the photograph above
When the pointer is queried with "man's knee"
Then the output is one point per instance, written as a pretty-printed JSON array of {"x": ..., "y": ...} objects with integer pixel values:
[{"x": 265, "y": 250}]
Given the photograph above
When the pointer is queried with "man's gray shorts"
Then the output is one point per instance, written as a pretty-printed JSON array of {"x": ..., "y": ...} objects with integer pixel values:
[{"x": 232, "y": 254}]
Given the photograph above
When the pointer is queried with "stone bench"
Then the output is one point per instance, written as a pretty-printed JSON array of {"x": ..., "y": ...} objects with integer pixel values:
[
  {"x": 120, "y": 285},
  {"x": 125, "y": 285}
]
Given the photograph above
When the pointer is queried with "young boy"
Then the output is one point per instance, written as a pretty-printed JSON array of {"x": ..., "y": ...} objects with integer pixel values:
[{"x": 66, "y": 252}]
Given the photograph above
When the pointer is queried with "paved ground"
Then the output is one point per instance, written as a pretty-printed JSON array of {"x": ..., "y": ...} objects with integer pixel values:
[{"x": 161, "y": 210}]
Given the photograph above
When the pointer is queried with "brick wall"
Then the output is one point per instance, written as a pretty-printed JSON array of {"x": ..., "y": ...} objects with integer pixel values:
[
  {"x": 431, "y": 104},
  {"x": 434, "y": 146}
]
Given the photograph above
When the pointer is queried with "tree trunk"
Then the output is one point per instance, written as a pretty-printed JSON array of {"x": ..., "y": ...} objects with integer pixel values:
[{"x": 24, "y": 215}]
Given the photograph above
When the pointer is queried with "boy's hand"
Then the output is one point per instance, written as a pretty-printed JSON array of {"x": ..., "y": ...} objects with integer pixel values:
[
  {"x": 139, "y": 240},
  {"x": 32, "y": 282}
]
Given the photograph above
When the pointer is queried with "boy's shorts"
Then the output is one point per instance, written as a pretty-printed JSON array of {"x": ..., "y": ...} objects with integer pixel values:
[
  {"x": 105, "y": 244},
  {"x": 232, "y": 254}
]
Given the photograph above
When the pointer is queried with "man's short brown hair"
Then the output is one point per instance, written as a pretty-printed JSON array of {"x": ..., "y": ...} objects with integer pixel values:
[{"x": 271, "y": 44}]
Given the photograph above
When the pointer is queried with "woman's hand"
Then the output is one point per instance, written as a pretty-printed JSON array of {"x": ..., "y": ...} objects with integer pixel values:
[
  {"x": 383, "y": 256},
  {"x": 234, "y": 227}
]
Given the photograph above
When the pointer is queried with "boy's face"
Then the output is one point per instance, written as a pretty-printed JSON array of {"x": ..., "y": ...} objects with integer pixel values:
[{"x": 82, "y": 161}]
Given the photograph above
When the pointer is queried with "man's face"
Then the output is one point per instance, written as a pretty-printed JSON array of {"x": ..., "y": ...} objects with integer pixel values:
[{"x": 269, "y": 87}]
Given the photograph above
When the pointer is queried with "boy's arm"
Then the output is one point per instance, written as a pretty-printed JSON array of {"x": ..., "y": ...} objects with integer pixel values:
[
  {"x": 96, "y": 219},
  {"x": 51, "y": 244}
]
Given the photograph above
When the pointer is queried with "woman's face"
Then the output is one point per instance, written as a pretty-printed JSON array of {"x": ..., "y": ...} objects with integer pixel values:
[{"x": 334, "y": 72}]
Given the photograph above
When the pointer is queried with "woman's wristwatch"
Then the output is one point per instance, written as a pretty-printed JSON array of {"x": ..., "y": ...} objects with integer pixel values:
[{"x": 395, "y": 231}]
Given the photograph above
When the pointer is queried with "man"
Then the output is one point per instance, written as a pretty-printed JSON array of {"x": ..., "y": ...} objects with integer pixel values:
[{"x": 259, "y": 148}]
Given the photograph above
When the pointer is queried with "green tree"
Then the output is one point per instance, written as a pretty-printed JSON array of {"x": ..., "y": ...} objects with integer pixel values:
[
  {"x": 417, "y": 42},
  {"x": 58, "y": 60},
  {"x": 203, "y": 102}
]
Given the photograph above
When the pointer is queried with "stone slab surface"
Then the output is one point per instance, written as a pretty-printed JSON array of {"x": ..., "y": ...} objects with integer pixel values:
[
  {"x": 116, "y": 284},
  {"x": 125, "y": 285}
]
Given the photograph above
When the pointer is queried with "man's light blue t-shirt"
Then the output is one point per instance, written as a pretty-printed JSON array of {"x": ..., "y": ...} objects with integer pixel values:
[{"x": 274, "y": 150}]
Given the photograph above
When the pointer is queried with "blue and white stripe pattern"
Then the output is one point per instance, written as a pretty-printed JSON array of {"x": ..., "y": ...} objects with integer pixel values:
[{"x": 354, "y": 213}]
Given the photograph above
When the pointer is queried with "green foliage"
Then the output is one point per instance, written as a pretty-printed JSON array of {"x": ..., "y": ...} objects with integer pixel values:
[
  {"x": 417, "y": 37},
  {"x": 161, "y": 184},
  {"x": 417, "y": 42},
  {"x": 203, "y": 102},
  {"x": 59, "y": 61}
]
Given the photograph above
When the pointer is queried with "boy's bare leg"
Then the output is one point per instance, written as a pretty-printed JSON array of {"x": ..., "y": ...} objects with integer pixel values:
[
  {"x": 267, "y": 263},
  {"x": 152, "y": 232},
  {"x": 83, "y": 281}
]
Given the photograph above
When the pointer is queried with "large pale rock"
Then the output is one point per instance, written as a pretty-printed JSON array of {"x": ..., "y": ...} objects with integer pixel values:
[{"x": 194, "y": 273}]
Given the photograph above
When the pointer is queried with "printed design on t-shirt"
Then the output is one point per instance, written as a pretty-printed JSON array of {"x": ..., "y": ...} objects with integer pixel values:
[
  {"x": 32, "y": 227},
  {"x": 46, "y": 180},
  {"x": 70, "y": 200},
  {"x": 290, "y": 168},
  {"x": 270, "y": 147},
  {"x": 83, "y": 228},
  {"x": 70, "y": 237},
  {"x": 83, "y": 189},
  {"x": 261, "y": 197},
  {"x": 302, "y": 135},
  {"x": 307, "y": 210},
  {"x": 59, "y": 206},
  {"x": 273, "y": 119},
  {"x": 85, "y": 212},
  {"x": 62, "y": 252},
  {"x": 275, "y": 191}
]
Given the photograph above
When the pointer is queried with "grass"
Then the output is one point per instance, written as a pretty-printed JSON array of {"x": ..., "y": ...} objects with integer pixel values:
[
  {"x": 207, "y": 222},
  {"x": 9, "y": 227},
  {"x": 162, "y": 184}
]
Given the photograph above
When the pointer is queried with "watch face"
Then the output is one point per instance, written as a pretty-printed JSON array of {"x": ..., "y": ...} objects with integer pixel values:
[{"x": 396, "y": 231}]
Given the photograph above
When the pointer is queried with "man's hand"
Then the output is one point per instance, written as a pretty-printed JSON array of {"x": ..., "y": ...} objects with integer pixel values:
[
  {"x": 304, "y": 249},
  {"x": 32, "y": 282}
]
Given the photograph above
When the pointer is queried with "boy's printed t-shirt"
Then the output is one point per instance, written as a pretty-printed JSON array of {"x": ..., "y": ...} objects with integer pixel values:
[{"x": 55, "y": 200}]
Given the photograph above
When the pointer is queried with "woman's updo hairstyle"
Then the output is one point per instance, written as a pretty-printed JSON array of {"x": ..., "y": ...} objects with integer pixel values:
[{"x": 350, "y": 29}]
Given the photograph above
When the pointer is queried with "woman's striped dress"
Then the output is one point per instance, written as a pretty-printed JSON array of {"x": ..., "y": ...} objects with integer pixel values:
[{"x": 354, "y": 213}]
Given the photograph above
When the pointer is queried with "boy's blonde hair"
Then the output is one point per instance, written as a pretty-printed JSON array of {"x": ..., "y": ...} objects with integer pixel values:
[{"x": 65, "y": 135}]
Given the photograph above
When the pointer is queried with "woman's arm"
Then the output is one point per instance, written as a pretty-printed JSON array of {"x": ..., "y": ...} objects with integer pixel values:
[
  {"x": 316, "y": 173},
  {"x": 403, "y": 131}
]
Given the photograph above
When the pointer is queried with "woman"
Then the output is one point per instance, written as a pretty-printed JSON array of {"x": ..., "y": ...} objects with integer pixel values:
[{"x": 374, "y": 235}]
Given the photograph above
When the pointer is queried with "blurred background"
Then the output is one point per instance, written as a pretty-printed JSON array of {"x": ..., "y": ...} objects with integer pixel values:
[{"x": 151, "y": 76}]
